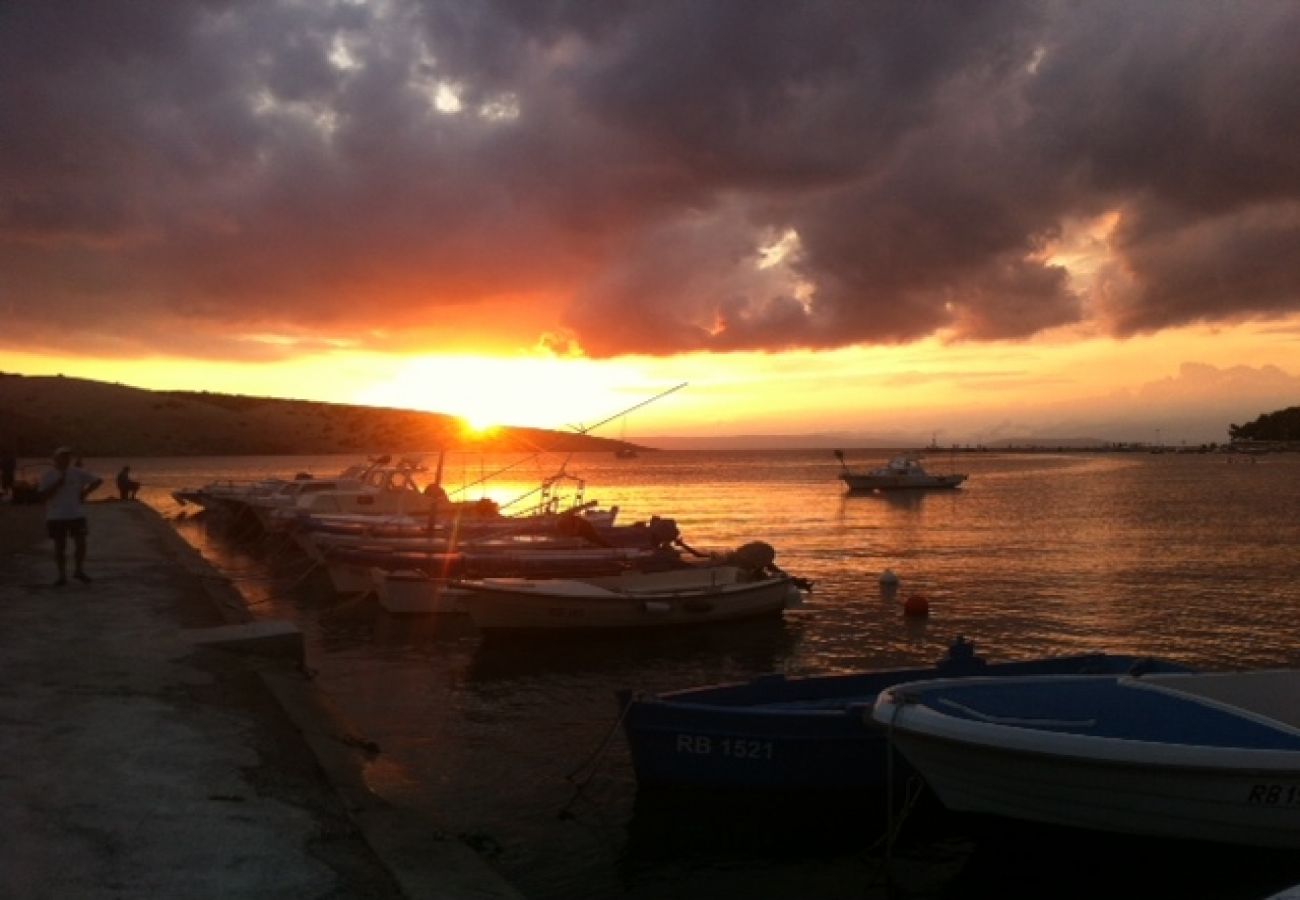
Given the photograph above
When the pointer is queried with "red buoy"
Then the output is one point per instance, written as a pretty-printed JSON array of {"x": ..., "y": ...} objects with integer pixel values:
[{"x": 916, "y": 605}]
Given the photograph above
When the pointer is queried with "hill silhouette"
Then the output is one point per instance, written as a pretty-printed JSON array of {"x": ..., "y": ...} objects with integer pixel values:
[
  {"x": 98, "y": 418},
  {"x": 1280, "y": 425}
]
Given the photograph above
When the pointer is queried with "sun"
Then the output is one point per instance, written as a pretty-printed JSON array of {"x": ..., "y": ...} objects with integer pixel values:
[
  {"x": 477, "y": 426},
  {"x": 486, "y": 392}
]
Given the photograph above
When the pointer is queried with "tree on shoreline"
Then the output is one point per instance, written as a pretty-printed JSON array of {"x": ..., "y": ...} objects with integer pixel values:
[{"x": 1282, "y": 425}]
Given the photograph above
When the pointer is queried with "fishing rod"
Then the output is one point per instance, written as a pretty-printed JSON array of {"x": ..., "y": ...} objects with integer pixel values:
[
  {"x": 577, "y": 428},
  {"x": 659, "y": 396},
  {"x": 580, "y": 429}
]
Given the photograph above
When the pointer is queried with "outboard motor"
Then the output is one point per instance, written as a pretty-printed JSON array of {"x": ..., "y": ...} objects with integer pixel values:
[
  {"x": 756, "y": 556},
  {"x": 663, "y": 531},
  {"x": 961, "y": 659}
]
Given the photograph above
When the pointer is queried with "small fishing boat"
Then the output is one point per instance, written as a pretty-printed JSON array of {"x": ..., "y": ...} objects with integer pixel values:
[
  {"x": 688, "y": 595},
  {"x": 240, "y": 496},
  {"x": 1211, "y": 757},
  {"x": 430, "y": 583},
  {"x": 357, "y": 563},
  {"x": 902, "y": 473},
  {"x": 390, "y": 489},
  {"x": 391, "y": 503},
  {"x": 781, "y": 734},
  {"x": 351, "y": 568}
]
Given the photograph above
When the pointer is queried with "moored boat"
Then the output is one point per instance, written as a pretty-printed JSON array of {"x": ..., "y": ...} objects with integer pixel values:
[
  {"x": 350, "y": 567},
  {"x": 238, "y": 495},
  {"x": 692, "y": 595},
  {"x": 357, "y": 563},
  {"x": 1210, "y": 757},
  {"x": 389, "y": 489},
  {"x": 777, "y": 734},
  {"x": 902, "y": 473}
]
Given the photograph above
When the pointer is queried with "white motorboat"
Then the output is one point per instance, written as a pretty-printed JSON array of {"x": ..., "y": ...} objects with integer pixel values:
[
  {"x": 383, "y": 490},
  {"x": 289, "y": 494},
  {"x": 1211, "y": 757},
  {"x": 901, "y": 473},
  {"x": 390, "y": 499},
  {"x": 239, "y": 496},
  {"x": 631, "y": 600},
  {"x": 414, "y": 591}
]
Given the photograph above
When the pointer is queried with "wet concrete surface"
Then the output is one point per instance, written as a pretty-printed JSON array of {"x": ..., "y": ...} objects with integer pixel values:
[{"x": 154, "y": 745}]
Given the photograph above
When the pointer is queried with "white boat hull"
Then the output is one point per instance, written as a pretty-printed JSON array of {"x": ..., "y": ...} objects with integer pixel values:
[
  {"x": 1193, "y": 756},
  {"x": 1258, "y": 808},
  {"x": 655, "y": 600},
  {"x": 416, "y": 593}
]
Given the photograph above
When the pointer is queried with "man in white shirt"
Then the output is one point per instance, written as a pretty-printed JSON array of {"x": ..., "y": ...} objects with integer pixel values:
[{"x": 63, "y": 489}]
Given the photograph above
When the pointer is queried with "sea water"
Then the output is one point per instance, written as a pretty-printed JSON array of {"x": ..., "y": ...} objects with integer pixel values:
[{"x": 514, "y": 746}]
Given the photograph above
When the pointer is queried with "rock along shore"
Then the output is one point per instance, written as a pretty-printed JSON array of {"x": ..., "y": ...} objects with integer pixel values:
[{"x": 156, "y": 742}]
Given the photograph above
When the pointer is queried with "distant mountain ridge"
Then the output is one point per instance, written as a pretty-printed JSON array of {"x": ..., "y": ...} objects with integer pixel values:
[
  {"x": 39, "y": 413},
  {"x": 850, "y": 440}
]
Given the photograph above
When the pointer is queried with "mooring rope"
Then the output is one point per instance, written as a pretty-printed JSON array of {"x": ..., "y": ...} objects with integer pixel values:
[{"x": 591, "y": 762}]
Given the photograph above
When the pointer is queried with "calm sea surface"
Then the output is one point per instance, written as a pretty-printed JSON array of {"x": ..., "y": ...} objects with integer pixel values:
[{"x": 1192, "y": 557}]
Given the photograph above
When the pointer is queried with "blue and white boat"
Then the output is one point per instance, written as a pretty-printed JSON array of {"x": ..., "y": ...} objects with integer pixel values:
[
  {"x": 810, "y": 733},
  {"x": 1211, "y": 757}
]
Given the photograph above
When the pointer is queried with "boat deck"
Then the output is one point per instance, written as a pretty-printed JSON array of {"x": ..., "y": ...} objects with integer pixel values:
[{"x": 1148, "y": 709}]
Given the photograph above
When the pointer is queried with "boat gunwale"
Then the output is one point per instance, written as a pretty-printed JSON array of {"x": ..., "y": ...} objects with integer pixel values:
[{"x": 901, "y": 710}]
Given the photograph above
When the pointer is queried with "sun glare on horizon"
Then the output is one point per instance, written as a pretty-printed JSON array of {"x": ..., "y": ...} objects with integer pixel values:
[
  {"x": 478, "y": 426},
  {"x": 486, "y": 392}
]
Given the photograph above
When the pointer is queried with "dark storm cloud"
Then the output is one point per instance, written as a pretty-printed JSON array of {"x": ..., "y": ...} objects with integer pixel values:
[{"x": 227, "y": 167}]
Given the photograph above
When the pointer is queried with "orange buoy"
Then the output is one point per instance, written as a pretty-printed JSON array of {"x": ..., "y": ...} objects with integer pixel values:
[{"x": 916, "y": 605}]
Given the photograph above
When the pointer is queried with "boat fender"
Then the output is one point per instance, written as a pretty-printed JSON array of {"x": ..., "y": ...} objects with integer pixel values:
[
  {"x": 889, "y": 585},
  {"x": 657, "y": 606}
]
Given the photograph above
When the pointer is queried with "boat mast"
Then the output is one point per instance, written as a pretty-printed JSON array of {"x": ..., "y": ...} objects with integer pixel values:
[{"x": 839, "y": 454}]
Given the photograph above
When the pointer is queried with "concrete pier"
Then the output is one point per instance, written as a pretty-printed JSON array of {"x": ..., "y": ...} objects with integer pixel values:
[{"x": 155, "y": 741}]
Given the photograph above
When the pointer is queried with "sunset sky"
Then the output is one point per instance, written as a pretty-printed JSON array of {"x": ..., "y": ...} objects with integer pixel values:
[{"x": 970, "y": 221}]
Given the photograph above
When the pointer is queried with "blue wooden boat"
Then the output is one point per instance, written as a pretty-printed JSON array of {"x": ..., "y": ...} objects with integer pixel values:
[
  {"x": 1209, "y": 757},
  {"x": 806, "y": 733}
]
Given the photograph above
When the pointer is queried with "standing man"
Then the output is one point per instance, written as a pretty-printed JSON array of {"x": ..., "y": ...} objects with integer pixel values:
[{"x": 64, "y": 488}]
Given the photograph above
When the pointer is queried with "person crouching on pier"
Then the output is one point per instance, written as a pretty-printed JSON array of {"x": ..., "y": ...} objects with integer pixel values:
[
  {"x": 126, "y": 485},
  {"x": 64, "y": 489}
]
